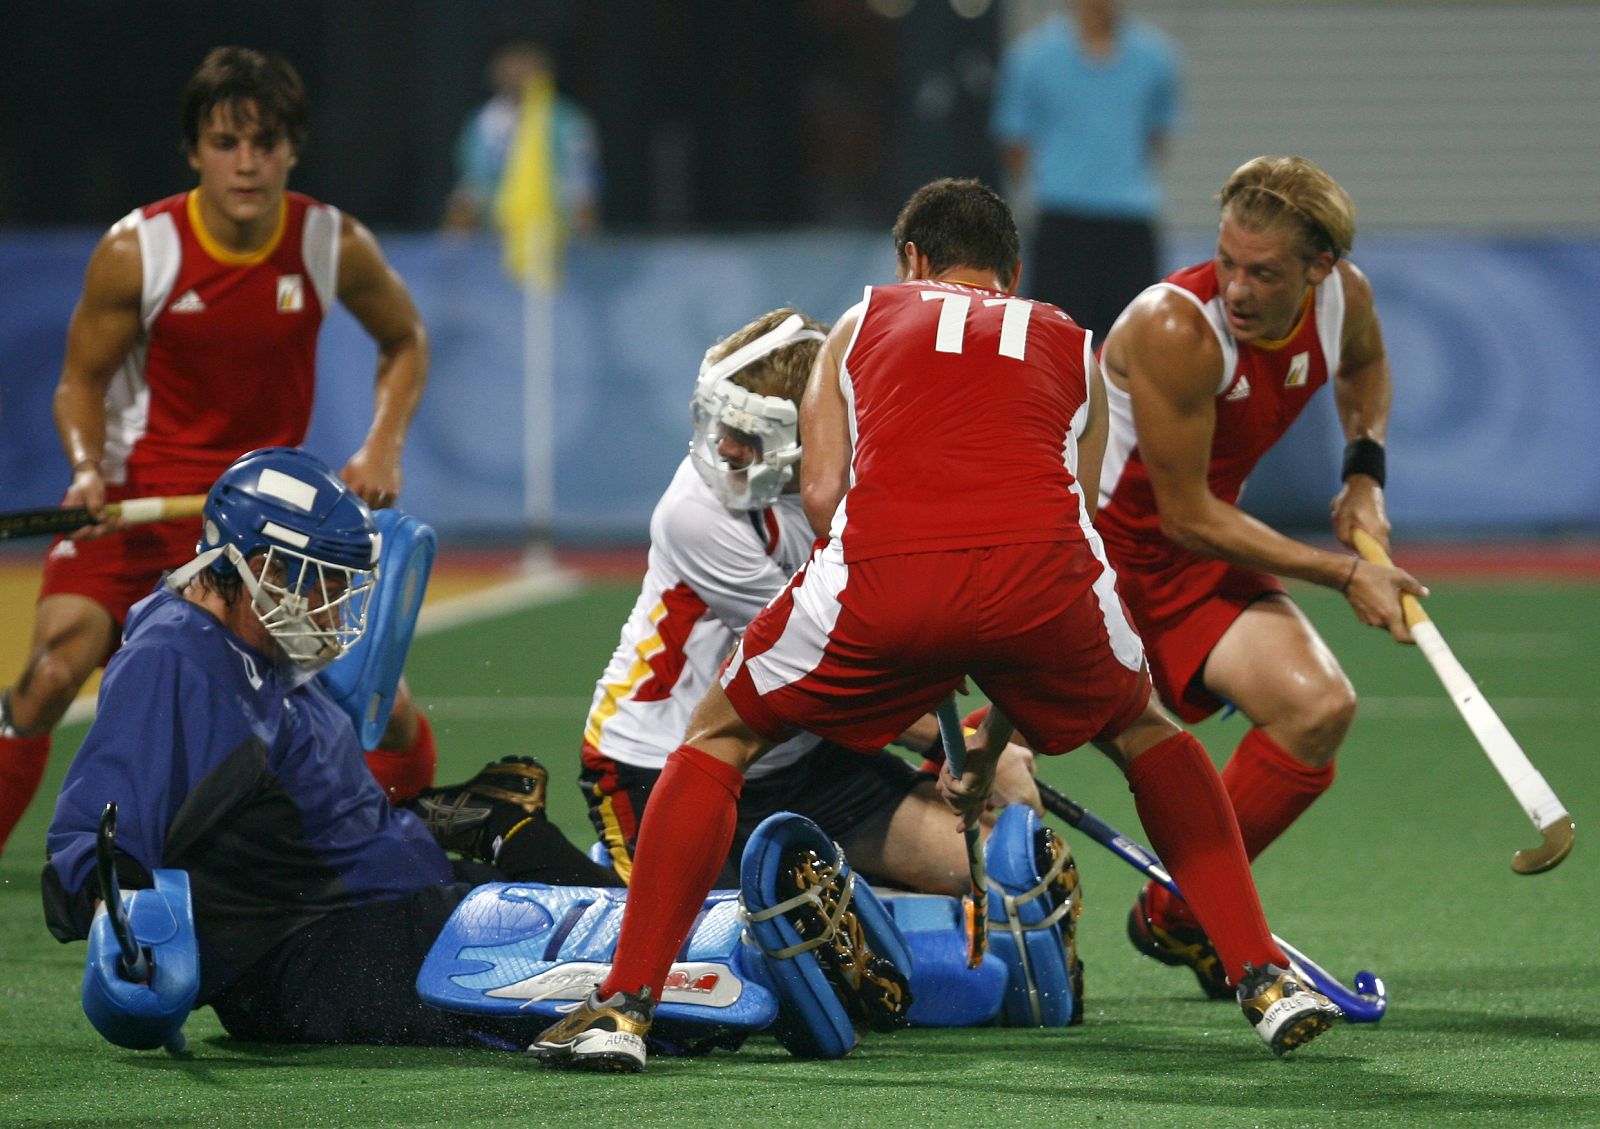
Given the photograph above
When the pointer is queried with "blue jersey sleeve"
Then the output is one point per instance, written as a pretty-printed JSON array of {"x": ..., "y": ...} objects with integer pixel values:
[{"x": 161, "y": 725}]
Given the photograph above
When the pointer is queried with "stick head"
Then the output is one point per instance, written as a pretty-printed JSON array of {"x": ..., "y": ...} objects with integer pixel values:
[{"x": 1558, "y": 835}]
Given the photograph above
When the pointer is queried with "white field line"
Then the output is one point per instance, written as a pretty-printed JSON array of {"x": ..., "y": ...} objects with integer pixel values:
[{"x": 544, "y": 583}]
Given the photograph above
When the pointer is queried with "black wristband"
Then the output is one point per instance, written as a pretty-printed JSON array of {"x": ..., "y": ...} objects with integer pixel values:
[
  {"x": 1355, "y": 563},
  {"x": 1363, "y": 456}
]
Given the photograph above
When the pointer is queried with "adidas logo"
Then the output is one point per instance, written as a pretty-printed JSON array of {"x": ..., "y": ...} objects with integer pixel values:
[
  {"x": 64, "y": 549},
  {"x": 189, "y": 303},
  {"x": 1241, "y": 390}
]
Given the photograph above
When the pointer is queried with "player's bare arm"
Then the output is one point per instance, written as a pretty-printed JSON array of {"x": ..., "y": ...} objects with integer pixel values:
[
  {"x": 1362, "y": 393},
  {"x": 825, "y": 430},
  {"x": 1171, "y": 364},
  {"x": 103, "y": 330},
  {"x": 1092, "y": 444},
  {"x": 371, "y": 290}
]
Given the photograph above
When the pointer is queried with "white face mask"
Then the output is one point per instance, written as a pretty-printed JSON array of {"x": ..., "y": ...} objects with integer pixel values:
[
  {"x": 764, "y": 429},
  {"x": 316, "y": 611},
  {"x": 313, "y": 610},
  {"x": 745, "y": 445}
]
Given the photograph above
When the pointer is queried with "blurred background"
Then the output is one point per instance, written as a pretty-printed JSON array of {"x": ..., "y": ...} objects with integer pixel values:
[{"x": 753, "y": 154}]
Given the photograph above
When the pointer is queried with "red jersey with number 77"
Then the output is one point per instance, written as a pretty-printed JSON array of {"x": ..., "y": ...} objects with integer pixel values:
[{"x": 965, "y": 408}]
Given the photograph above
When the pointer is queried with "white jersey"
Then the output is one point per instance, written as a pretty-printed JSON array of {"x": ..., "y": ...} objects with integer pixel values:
[{"x": 711, "y": 570}]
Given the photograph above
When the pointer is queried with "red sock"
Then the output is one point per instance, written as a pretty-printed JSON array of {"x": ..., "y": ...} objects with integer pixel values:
[
  {"x": 402, "y": 773},
  {"x": 1269, "y": 789},
  {"x": 685, "y": 835},
  {"x": 1186, "y": 813},
  {"x": 22, "y": 762}
]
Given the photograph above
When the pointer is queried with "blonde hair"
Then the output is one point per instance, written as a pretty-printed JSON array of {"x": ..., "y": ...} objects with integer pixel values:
[
  {"x": 1292, "y": 192},
  {"x": 782, "y": 372}
]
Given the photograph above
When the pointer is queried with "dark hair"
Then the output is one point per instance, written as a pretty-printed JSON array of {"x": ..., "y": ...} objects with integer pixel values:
[
  {"x": 234, "y": 76},
  {"x": 959, "y": 223}
]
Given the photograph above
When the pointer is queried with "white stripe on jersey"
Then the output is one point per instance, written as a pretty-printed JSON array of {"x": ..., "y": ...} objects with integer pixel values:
[
  {"x": 1329, "y": 305},
  {"x": 701, "y": 555},
  {"x": 319, "y": 247},
  {"x": 799, "y": 649},
  {"x": 128, "y": 395}
]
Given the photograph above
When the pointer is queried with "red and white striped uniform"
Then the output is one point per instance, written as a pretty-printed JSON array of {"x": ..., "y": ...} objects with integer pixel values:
[
  {"x": 710, "y": 571},
  {"x": 962, "y": 545},
  {"x": 1182, "y": 601},
  {"x": 226, "y": 361}
]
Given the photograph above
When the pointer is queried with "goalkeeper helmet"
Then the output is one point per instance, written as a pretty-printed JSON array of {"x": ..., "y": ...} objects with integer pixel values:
[
  {"x": 764, "y": 430},
  {"x": 304, "y": 546}
]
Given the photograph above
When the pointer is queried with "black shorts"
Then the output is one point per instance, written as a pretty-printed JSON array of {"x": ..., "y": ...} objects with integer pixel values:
[
  {"x": 351, "y": 977},
  {"x": 1090, "y": 266},
  {"x": 843, "y": 792}
]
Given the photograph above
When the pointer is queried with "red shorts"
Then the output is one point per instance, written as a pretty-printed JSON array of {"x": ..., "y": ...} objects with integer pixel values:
[
  {"x": 119, "y": 569},
  {"x": 857, "y": 652},
  {"x": 1182, "y": 607}
]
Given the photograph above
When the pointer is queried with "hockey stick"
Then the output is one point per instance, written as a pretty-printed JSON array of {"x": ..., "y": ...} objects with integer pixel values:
[
  {"x": 975, "y": 906},
  {"x": 51, "y": 520},
  {"x": 1366, "y": 1004},
  {"x": 134, "y": 965},
  {"x": 1527, "y": 784}
]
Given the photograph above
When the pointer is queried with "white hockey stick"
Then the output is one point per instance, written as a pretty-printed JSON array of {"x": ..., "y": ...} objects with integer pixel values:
[{"x": 1527, "y": 784}]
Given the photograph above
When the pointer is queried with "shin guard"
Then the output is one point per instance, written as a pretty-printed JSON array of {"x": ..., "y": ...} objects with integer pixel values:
[
  {"x": 1034, "y": 905},
  {"x": 365, "y": 680},
  {"x": 517, "y": 949},
  {"x": 834, "y": 955}
]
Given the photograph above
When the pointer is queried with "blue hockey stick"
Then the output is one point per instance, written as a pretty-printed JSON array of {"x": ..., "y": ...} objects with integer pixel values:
[
  {"x": 975, "y": 906},
  {"x": 134, "y": 965},
  {"x": 1366, "y": 1004}
]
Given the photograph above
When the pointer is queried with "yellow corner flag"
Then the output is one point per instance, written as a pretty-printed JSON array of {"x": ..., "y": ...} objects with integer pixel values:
[{"x": 525, "y": 205}]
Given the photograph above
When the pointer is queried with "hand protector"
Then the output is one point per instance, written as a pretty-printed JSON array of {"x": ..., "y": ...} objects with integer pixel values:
[{"x": 146, "y": 1015}]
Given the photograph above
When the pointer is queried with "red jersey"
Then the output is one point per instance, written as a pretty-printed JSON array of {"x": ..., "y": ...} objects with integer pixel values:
[
  {"x": 1261, "y": 389},
  {"x": 226, "y": 357},
  {"x": 965, "y": 408}
]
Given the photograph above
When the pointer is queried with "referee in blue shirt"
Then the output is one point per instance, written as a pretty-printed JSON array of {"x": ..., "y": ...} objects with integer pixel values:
[{"x": 1082, "y": 112}]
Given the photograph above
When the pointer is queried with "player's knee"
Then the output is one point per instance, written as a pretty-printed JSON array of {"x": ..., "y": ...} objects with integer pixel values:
[
  {"x": 1322, "y": 720},
  {"x": 44, "y": 692},
  {"x": 401, "y": 732}
]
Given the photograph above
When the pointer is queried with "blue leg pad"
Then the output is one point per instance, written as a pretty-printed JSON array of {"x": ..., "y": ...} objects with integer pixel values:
[
  {"x": 145, "y": 1016},
  {"x": 805, "y": 907},
  {"x": 515, "y": 949},
  {"x": 944, "y": 991},
  {"x": 365, "y": 680},
  {"x": 1033, "y": 908}
]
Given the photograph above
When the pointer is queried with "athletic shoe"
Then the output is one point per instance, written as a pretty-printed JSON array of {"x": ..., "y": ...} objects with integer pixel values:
[
  {"x": 1179, "y": 945},
  {"x": 599, "y": 1034},
  {"x": 875, "y": 993},
  {"x": 1284, "y": 1012},
  {"x": 468, "y": 818}
]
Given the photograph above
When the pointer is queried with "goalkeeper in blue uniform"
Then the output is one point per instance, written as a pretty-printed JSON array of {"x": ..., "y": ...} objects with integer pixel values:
[{"x": 315, "y": 902}]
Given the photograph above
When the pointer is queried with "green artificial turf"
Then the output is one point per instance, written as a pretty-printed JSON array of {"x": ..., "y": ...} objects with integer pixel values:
[{"x": 1403, "y": 868}]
